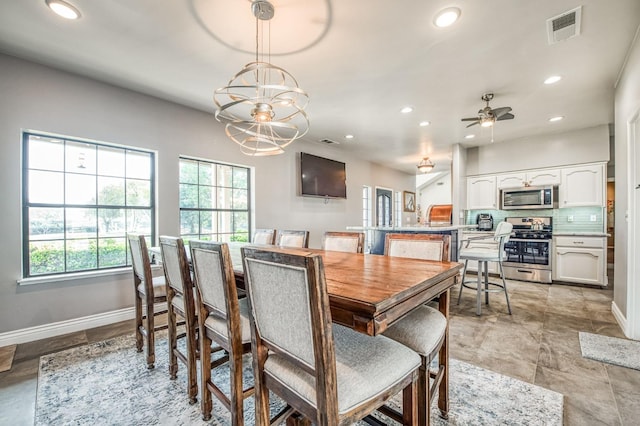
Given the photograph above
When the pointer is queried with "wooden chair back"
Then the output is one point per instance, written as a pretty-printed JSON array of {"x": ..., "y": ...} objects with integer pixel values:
[
  {"x": 289, "y": 238},
  {"x": 141, "y": 264},
  {"x": 351, "y": 242},
  {"x": 264, "y": 236},
  {"x": 418, "y": 246}
]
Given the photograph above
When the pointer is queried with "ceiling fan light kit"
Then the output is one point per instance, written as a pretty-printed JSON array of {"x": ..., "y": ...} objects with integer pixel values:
[
  {"x": 425, "y": 166},
  {"x": 487, "y": 116},
  {"x": 262, "y": 106}
]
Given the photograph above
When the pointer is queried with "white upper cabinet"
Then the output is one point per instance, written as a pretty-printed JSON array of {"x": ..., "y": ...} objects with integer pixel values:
[
  {"x": 482, "y": 193},
  {"x": 582, "y": 186},
  {"x": 547, "y": 177}
]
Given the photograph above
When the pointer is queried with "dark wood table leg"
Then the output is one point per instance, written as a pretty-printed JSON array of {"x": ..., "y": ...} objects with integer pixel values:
[{"x": 443, "y": 359}]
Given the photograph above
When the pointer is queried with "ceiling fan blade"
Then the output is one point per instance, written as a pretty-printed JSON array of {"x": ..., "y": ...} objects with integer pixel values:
[
  {"x": 507, "y": 116},
  {"x": 499, "y": 112},
  {"x": 470, "y": 119},
  {"x": 473, "y": 124}
]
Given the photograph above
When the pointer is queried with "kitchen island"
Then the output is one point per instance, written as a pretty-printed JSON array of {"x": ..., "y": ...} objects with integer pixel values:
[{"x": 377, "y": 245}]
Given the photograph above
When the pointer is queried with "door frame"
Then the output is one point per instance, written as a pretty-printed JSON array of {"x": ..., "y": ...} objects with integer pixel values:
[
  {"x": 633, "y": 214},
  {"x": 375, "y": 204}
]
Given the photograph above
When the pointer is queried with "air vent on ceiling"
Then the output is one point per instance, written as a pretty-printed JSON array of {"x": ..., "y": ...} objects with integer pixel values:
[
  {"x": 329, "y": 142},
  {"x": 564, "y": 26}
]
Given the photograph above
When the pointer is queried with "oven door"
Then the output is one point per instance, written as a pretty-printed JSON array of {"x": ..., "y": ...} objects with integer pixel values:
[{"x": 528, "y": 260}]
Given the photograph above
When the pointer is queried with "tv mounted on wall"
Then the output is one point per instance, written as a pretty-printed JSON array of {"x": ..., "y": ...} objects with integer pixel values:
[{"x": 322, "y": 177}]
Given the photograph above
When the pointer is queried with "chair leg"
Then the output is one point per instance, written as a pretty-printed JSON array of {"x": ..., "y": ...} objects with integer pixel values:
[
  {"x": 410, "y": 403},
  {"x": 504, "y": 285},
  {"x": 206, "y": 403},
  {"x": 486, "y": 283},
  {"x": 479, "y": 289},
  {"x": 237, "y": 390},
  {"x": 464, "y": 273},
  {"x": 139, "y": 336},
  {"x": 151, "y": 340},
  {"x": 173, "y": 340},
  {"x": 424, "y": 393},
  {"x": 192, "y": 359}
]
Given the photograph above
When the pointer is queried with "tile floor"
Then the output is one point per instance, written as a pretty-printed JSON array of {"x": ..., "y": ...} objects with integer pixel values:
[{"x": 538, "y": 344}]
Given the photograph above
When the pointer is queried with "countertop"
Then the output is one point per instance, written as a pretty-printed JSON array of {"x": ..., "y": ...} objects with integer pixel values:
[{"x": 412, "y": 228}]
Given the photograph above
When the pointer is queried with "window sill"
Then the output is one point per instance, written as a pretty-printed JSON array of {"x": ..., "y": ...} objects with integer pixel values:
[{"x": 77, "y": 276}]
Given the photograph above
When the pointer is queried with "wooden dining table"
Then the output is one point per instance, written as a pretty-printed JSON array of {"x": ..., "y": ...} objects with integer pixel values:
[{"x": 369, "y": 292}]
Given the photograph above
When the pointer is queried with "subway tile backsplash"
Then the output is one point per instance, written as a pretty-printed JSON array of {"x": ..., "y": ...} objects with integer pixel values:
[{"x": 581, "y": 217}]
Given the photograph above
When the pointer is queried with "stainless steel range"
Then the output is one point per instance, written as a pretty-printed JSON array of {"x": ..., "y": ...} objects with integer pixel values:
[{"x": 528, "y": 252}]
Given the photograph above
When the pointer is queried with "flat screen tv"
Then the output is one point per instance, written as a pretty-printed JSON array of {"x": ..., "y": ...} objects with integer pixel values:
[{"x": 321, "y": 177}]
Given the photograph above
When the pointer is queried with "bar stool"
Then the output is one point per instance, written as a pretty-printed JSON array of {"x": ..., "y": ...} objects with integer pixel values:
[{"x": 484, "y": 255}]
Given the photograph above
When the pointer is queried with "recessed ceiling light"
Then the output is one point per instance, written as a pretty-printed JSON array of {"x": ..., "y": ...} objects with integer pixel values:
[
  {"x": 406, "y": 110},
  {"x": 424, "y": 123},
  {"x": 348, "y": 136},
  {"x": 553, "y": 79},
  {"x": 447, "y": 17},
  {"x": 558, "y": 118},
  {"x": 63, "y": 9},
  {"x": 470, "y": 136}
]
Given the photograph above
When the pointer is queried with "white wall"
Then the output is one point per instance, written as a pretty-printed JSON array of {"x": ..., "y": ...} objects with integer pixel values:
[
  {"x": 576, "y": 147},
  {"x": 627, "y": 103},
  {"x": 40, "y": 98},
  {"x": 436, "y": 191}
]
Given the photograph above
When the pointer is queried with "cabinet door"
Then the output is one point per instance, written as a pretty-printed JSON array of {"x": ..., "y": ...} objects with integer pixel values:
[
  {"x": 511, "y": 180},
  {"x": 481, "y": 193},
  {"x": 582, "y": 186},
  {"x": 579, "y": 265},
  {"x": 544, "y": 177}
]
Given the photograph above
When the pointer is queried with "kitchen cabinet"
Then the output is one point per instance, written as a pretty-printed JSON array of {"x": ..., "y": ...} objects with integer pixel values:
[
  {"x": 472, "y": 265},
  {"x": 580, "y": 260},
  {"x": 482, "y": 193},
  {"x": 582, "y": 186},
  {"x": 543, "y": 177}
]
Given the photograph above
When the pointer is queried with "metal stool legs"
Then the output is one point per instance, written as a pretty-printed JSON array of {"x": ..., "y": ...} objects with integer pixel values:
[{"x": 483, "y": 269}]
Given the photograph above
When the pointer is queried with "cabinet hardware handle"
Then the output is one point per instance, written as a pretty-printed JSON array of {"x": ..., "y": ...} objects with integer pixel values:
[
  {"x": 637, "y": 186},
  {"x": 526, "y": 272},
  {"x": 578, "y": 242}
]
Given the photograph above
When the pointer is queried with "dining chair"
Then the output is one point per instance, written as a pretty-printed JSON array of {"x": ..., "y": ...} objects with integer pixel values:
[
  {"x": 148, "y": 291},
  {"x": 288, "y": 238},
  {"x": 180, "y": 302},
  {"x": 330, "y": 374},
  {"x": 483, "y": 255},
  {"x": 351, "y": 242},
  {"x": 425, "y": 328},
  {"x": 222, "y": 319},
  {"x": 264, "y": 236}
]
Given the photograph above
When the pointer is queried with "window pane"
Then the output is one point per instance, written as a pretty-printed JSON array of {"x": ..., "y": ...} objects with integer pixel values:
[
  {"x": 241, "y": 222},
  {"x": 207, "y": 173},
  {"x": 225, "y": 196},
  {"x": 206, "y": 198},
  {"x": 138, "y": 164},
  {"x": 46, "y": 187},
  {"x": 225, "y": 222},
  {"x": 110, "y": 191},
  {"x": 225, "y": 175},
  {"x": 110, "y": 161},
  {"x": 111, "y": 223},
  {"x": 81, "y": 255},
  {"x": 208, "y": 222},
  {"x": 138, "y": 193},
  {"x": 189, "y": 222},
  {"x": 81, "y": 223},
  {"x": 80, "y": 189},
  {"x": 188, "y": 196},
  {"x": 46, "y": 223},
  {"x": 80, "y": 158},
  {"x": 46, "y": 257},
  {"x": 46, "y": 153},
  {"x": 240, "y": 199},
  {"x": 138, "y": 221},
  {"x": 240, "y": 177},
  {"x": 188, "y": 171},
  {"x": 112, "y": 252}
]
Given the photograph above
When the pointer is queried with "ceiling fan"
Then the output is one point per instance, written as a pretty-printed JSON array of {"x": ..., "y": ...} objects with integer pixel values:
[{"x": 487, "y": 116}]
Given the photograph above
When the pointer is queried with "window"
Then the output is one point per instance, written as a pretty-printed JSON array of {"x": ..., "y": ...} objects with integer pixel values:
[
  {"x": 367, "y": 218},
  {"x": 398, "y": 209},
  {"x": 80, "y": 199},
  {"x": 214, "y": 201}
]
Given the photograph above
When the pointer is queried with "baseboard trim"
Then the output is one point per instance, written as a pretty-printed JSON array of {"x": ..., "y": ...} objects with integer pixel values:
[
  {"x": 622, "y": 321},
  {"x": 64, "y": 327}
]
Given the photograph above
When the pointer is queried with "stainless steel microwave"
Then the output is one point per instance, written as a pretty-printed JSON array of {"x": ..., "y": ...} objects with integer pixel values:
[{"x": 529, "y": 198}]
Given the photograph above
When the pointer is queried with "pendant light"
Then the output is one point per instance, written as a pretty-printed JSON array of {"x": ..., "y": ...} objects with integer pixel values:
[{"x": 425, "y": 166}]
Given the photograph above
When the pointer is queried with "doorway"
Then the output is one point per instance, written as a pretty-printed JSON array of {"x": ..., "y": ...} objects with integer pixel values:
[
  {"x": 384, "y": 206},
  {"x": 633, "y": 244}
]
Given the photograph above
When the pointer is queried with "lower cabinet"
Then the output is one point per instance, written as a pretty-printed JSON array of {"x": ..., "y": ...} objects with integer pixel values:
[{"x": 580, "y": 260}]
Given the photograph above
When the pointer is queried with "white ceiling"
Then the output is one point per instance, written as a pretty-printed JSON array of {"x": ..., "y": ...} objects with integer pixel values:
[{"x": 361, "y": 61}]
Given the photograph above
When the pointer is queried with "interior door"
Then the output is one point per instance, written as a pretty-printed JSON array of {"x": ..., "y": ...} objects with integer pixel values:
[{"x": 384, "y": 207}]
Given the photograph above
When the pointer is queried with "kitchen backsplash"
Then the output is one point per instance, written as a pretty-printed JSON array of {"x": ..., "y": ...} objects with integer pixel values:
[{"x": 561, "y": 218}]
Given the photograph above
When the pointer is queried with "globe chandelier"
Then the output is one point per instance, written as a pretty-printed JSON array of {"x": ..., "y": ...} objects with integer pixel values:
[
  {"x": 425, "y": 166},
  {"x": 262, "y": 106}
]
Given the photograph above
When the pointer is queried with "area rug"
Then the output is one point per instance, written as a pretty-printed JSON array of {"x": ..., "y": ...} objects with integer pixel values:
[
  {"x": 107, "y": 383},
  {"x": 612, "y": 350}
]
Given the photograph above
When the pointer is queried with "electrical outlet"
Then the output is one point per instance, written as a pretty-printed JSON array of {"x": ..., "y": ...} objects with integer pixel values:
[
  {"x": 593, "y": 218},
  {"x": 569, "y": 218}
]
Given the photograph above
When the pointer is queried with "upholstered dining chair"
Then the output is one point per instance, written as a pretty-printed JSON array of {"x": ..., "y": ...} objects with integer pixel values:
[
  {"x": 288, "y": 238},
  {"x": 264, "y": 236},
  {"x": 483, "y": 255},
  {"x": 222, "y": 319},
  {"x": 148, "y": 291},
  {"x": 351, "y": 242},
  {"x": 180, "y": 303},
  {"x": 330, "y": 374},
  {"x": 425, "y": 328}
]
